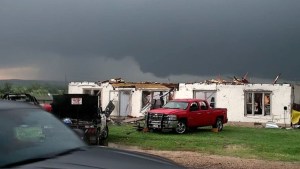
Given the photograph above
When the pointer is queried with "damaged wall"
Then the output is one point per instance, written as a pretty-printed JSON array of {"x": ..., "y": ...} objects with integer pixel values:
[
  {"x": 134, "y": 104},
  {"x": 127, "y": 97}
]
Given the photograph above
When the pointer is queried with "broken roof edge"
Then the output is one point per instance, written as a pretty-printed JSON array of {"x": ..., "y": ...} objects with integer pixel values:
[
  {"x": 142, "y": 86},
  {"x": 234, "y": 84},
  {"x": 120, "y": 83},
  {"x": 83, "y": 82}
]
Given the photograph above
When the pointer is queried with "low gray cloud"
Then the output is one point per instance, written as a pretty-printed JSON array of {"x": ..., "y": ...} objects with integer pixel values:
[{"x": 159, "y": 40}]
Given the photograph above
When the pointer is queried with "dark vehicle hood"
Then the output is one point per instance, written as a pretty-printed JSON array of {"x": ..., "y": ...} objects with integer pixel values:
[
  {"x": 166, "y": 111},
  {"x": 104, "y": 158}
]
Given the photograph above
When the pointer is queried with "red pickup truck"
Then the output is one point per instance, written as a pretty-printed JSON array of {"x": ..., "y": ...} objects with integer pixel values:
[{"x": 182, "y": 114}]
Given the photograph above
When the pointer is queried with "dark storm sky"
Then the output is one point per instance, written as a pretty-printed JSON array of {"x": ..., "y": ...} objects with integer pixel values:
[{"x": 149, "y": 40}]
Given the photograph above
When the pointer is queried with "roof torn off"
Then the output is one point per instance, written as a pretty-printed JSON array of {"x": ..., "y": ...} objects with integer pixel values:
[{"x": 120, "y": 83}]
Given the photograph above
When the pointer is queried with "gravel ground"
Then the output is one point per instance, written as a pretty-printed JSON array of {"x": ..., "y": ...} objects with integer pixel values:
[{"x": 193, "y": 160}]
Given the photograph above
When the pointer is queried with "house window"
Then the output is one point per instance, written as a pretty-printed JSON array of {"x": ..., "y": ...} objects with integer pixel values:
[
  {"x": 156, "y": 98},
  {"x": 258, "y": 103}
]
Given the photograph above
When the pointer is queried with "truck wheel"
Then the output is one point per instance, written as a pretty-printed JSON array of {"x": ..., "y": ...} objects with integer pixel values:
[
  {"x": 102, "y": 136},
  {"x": 105, "y": 133},
  {"x": 219, "y": 124},
  {"x": 181, "y": 127}
]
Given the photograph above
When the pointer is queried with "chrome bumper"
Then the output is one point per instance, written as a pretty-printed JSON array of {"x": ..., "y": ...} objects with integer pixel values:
[{"x": 162, "y": 124}]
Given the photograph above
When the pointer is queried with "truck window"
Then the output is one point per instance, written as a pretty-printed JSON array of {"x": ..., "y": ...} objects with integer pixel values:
[
  {"x": 194, "y": 106},
  {"x": 203, "y": 106}
]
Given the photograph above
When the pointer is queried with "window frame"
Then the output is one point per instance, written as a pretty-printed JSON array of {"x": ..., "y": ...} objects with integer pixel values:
[{"x": 265, "y": 108}]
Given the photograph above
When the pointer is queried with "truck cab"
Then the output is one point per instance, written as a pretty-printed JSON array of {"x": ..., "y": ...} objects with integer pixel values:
[{"x": 182, "y": 114}]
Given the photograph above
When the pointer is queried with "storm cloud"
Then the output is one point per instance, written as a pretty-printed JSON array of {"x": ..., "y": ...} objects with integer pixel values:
[{"x": 157, "y": 40}]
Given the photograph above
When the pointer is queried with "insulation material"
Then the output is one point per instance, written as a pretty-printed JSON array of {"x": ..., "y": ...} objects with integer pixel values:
[{"x": 295, "y": 117}]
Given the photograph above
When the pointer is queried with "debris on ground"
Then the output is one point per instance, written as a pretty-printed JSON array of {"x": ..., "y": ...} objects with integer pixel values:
[{"x": 271, "y": 124}]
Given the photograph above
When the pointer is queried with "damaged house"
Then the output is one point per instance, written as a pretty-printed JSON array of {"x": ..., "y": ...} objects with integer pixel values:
[
  {"x": 245, "y": 102},
  {"x": 131, "y": 99}
]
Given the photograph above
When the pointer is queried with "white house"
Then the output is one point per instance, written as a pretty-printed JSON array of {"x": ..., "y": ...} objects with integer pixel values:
[{"x": 246, "y": 102}]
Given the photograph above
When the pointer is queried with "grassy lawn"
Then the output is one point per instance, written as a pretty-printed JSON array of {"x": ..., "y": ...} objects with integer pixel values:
[{"x": 258, "y": 143}]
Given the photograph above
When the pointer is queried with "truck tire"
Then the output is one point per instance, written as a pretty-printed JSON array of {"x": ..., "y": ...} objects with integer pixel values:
[
  {"x": 105, "y": 133},
  {"x": 181, "y": 127},
  {"x": 219, "y": 124},
  {"x": 102, "y": 136}
]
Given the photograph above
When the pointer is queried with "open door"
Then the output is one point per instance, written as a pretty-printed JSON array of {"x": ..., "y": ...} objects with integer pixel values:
[
  {"x": 125, "y": 103},
  {"x": 209, "y": 96}
]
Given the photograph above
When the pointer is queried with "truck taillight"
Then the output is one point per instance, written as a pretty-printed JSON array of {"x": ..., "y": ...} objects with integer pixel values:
[{"x": 91, "y": 130}]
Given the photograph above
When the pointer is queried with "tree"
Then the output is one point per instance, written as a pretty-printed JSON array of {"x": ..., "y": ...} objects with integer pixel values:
[
  {"x": 19, "y": 89},
  {"x": 6, "y": 88}
]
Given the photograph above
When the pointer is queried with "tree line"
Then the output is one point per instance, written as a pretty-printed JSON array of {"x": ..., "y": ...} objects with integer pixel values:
[{"x": 35, "y": 89}]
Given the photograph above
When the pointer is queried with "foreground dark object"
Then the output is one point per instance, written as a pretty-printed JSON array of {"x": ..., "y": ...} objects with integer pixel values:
[{"x": 33, "y": 138}]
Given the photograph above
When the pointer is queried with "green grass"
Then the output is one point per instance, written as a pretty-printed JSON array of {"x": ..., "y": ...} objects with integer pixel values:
[{"x": 257, "y": 143}]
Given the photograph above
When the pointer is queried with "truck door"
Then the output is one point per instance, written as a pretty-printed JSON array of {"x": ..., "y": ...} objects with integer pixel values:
[
  {"x": 195, "y": 115},
  {"x": 205, "y": 113}
]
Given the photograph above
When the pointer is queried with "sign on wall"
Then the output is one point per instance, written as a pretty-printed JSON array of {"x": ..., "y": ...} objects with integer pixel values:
[{"x": 76, "y": 101}]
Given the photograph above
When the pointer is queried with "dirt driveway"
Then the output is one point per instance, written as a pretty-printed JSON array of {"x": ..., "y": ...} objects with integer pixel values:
[
  {"x": 193, "y": 160},
  {"x": 200, "y": 161}
]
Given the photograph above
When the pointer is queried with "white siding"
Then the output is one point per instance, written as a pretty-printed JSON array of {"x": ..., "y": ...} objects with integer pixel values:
[
  {"x": 108, "y": 94},
  {"x": 79, "y": 87},
  {"x": 136, "y": 103},
  {"x": 186, "y": 90}
]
